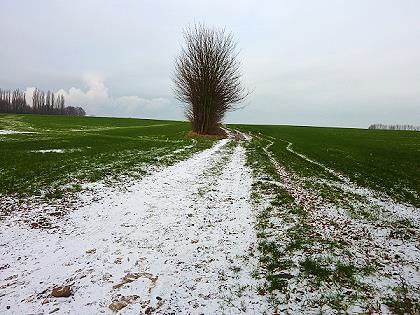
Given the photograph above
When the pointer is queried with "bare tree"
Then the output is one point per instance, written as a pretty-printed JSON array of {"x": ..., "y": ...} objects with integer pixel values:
[
  {"x": 60, "y": 103},
  {"x": 48, "y": 108},
  {"x": 35, "y": 104},
  {"x": 207, "y": 77},
  {"x": 53, "y": 103}
]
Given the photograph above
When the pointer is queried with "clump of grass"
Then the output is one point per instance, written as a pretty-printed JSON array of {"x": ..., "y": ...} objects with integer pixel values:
[
  {"x": 56, "y": 193},
  {"x": 403, "y": 301},
  {"x": 326, "y": 270},
  {"x": 317, "y": 269},
  {"x": 299, "y": 237}
]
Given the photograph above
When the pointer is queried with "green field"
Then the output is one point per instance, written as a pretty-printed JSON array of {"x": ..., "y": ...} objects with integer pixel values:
[
  {"x": 56, "y": 154},
  {"x": 385, "y": 161},
  {"x": 333, "y": 208}
]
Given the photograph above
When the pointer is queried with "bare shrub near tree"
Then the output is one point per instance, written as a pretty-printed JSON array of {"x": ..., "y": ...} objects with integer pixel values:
[{"x": 207, "y": 77}]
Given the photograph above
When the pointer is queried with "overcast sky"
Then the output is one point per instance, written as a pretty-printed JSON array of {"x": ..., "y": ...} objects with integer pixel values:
[{"x": 326, "y": 63}]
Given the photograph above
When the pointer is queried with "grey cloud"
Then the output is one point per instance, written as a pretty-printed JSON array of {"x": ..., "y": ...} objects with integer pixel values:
[{"x": 345, "y": 63}]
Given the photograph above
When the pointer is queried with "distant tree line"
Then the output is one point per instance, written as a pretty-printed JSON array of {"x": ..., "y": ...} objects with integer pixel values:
[
  {"x": 395, "y": 127},
  {"x": 42, "y": 103}
]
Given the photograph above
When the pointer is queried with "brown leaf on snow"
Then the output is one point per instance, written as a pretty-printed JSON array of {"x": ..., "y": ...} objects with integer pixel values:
[
  {"x": 122, "y": 302},
  {"x": 61, "y": 291},
  {"x": 130, "y": 277}
]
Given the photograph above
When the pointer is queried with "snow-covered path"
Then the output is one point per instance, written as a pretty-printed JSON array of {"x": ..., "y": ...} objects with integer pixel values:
[{"x": 176, "y": 242}]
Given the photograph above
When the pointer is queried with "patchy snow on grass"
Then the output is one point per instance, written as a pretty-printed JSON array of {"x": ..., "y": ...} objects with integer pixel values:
[
  {"x": 49, "y": 151},
  {"x": 12, "y": 132},
  {"x": 381, "y": 257},
  {"x": 401, "y": 210},
  {"x": 57, "y": 150},
  {"x": 175, "y": 242}
]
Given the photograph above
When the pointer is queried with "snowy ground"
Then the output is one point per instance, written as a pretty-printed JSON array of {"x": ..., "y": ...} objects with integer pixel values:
[
  {"x": 379, "y": 256},
  {"x": 186, "y": 239},
  {"x": 175, "y": 242}
]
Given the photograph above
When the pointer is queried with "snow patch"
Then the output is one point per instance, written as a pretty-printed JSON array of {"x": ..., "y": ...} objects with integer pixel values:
[
  {"x": 12, "y": 132},
  {"x": 56, "y": 150}
]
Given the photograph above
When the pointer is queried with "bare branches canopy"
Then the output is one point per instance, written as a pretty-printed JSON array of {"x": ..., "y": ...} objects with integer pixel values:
[{"x": 208, "y": 78}]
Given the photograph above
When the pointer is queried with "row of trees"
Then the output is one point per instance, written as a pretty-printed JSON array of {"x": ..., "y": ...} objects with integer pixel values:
[
  {"x": 47, "y": 103},
  {"x": 13, "y": 102},
  {"x": 394, "y": 127},
  {"x": 42, "y": 103}
]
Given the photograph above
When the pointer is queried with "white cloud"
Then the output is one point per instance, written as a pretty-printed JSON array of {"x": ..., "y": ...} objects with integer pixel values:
[
  {"x": 96, "y": 100},
  {"x": 91, "y": 99},
  {"x": 28, "y": 94}
]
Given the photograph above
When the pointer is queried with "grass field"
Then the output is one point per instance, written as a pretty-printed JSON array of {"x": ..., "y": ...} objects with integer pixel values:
[
  {"x": 337, "y": 217},
  {"x": 385, "y": 161},
  {"x": 328, "y": 218},
  {"x": 52, "y": 155}
]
